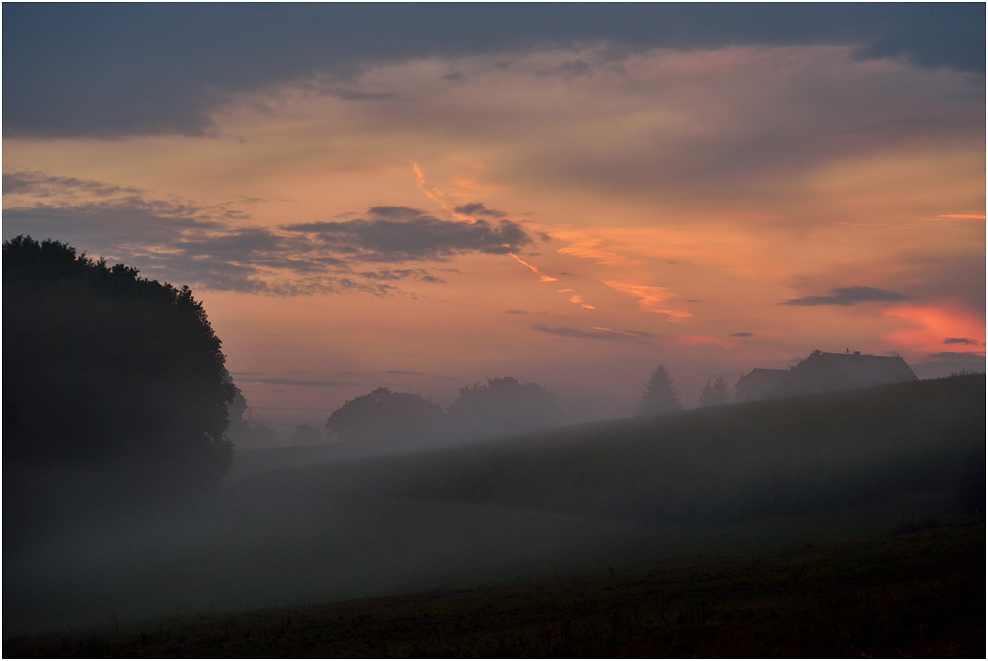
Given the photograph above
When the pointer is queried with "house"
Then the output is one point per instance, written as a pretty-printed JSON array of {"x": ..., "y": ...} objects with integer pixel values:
[{"x": 823, "y": 372}]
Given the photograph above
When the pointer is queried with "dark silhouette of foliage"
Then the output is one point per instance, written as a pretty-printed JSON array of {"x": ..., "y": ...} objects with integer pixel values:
[
  {"x": 387, "y": 418},
  {"x": 714, "y": 393},
  {"x": 106, "y": 370},
  {"x": 972, "y": 487},
  {"x": 306, "y": 435},
  {"x": 660, "y": 394},
  {"x": 501, "y": 407}
]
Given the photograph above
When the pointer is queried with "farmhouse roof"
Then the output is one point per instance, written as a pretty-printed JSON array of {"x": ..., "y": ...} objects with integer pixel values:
[
  {"x": 772, "y": 377},
  {"x": 864, "y": 370}
]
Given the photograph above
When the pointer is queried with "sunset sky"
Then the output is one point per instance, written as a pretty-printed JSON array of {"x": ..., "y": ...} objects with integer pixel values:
[{"x": 425, "y": 196}]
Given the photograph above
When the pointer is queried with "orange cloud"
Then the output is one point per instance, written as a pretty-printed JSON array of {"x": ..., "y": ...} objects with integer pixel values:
[
  {"x": 437, "y": 195},
  {"x": 542, "y": 278},
  {"x": 588, "y": 247},
  {"x": 650, "y": 298}
]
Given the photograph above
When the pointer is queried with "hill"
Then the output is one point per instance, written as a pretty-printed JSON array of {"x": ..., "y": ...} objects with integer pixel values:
[{"x": 778, "y": 457}]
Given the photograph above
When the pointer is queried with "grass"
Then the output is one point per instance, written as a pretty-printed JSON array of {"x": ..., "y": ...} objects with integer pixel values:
[{"x": 919, "y": 593}]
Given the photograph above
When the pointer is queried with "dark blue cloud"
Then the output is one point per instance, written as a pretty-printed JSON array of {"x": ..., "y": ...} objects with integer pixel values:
[
  {"x": 478, "y": 209},
  {"x": 851, "y": 296},
  {"x": 959, "y": 340},
  {"x": 209, "y": 246},
  {"x": 110, "y": 70},
  {"x": 398, "y": 234}
]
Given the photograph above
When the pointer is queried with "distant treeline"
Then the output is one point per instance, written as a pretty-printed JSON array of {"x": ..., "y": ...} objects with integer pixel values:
[
  {"x": 776, "y": 457},
  {"x": 500, "y": 407}
]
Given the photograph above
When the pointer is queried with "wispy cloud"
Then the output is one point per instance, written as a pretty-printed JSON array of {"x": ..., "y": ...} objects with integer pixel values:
[
  {"x": 960, "y": 340},
  {"x": 958, "y": 356},
  {"x": 851, "y": 296},
  {"x": 650, "y": 298},
  {"x": 302, "y": 383},
  {"x": 617, "y": 335}
]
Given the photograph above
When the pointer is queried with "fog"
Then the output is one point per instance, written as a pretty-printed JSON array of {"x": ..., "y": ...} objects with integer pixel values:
[{"x": 298, "y": 525}]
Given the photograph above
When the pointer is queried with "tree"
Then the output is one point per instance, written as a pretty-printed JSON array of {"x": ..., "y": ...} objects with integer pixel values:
[
  {"x": 306, "y": 435},
  {"x": 386, "y": 418},
  {"x": 106, "y": 373},
  {"x": 714, "y": 393},
  {"x": 501, "y": 407},
  {"x": 660, "y": 396}
]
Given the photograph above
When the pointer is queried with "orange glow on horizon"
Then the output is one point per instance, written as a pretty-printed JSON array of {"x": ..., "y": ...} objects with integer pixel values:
[{"x": 929, "y": 326}]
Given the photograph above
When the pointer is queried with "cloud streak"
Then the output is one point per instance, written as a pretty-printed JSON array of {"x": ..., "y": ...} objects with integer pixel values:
[{"x": 851, "y": 296}]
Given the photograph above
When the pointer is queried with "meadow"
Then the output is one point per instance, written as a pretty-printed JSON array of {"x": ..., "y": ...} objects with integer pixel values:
[
  {"x": 918, "y": 592},
  {"x": 650, "y": 498}
]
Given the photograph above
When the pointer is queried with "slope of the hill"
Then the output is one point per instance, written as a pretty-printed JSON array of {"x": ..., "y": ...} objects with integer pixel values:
[{"x": 768, "y": 458}]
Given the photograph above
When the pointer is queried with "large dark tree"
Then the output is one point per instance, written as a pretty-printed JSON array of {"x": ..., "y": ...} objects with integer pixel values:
[
  {"x": 660, "y": 395},
  {"x": 384, "y": 418},
  {"x": 502, "y": 407},
  {"x": 107, "y": 375}
]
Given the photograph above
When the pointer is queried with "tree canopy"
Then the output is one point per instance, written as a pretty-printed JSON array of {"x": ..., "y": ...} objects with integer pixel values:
[
  {"x": 106, "y": 369},
  {"x": 660, "y": 394},
  {"x": 387, "y": 418},
  {"x": 501, "y": 407}
]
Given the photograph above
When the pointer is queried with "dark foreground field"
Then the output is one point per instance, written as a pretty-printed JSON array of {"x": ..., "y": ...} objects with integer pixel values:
[{"x": 917, "y": 592}]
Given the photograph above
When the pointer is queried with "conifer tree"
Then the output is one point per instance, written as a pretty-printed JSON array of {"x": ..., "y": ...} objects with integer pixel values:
[
  {"x": 660, "y": 394},
  {"x": 714, "y": 393}
]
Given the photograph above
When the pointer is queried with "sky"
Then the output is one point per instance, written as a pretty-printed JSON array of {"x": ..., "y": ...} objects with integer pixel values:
[{"x": 426, "y": 196}]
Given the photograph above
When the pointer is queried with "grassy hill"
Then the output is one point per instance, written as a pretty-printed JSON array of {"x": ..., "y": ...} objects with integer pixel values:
[
  {"x": 768, "y": 458},
  {"x": 700, "y": 484}
]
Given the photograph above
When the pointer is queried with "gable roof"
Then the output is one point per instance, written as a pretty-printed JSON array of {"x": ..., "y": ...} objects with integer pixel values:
[
  {"x": 772, "y": 377},
  {"x": 863, "y": 370}
]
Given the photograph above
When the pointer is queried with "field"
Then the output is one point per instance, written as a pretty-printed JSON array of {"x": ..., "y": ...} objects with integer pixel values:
[
  {"x": 920, "y": 592},
  {"x": 787, "y": 509}
]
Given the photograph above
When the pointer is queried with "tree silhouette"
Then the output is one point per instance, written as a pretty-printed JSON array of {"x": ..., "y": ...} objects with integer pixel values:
[
  {"x": 387, "y": 418},
  {"x": 714, "y": 393},
  {"x": 306, "y": 435},
  {"x": 109, "y": 372},
  {"x": 660, "y": 394},
  {"x": 501, "y": 407}
]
